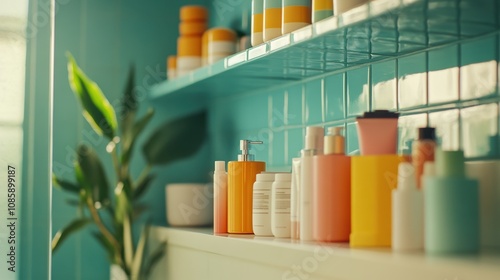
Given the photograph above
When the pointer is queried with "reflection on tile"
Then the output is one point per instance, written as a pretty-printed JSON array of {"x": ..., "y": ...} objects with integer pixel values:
[
  {"x": 447, "y": 128},
  {"x": 412, "y": 81},
  {"x": 314, "y": 102},
  {"x": 478, "y": 76},
  {"x": 358, "y": 91},
  {"x": 293, "y": 102},
  {"x": 443, "y": 75},
  {"x": 278, "y": 144},
  {"x": 334, "y": 94},
  {"x": 295, "y": 143},
  {"x": 408, "y": 131},
  {"x": 480, "y": 130},
  {"x": 276, "y": 109},
  {"x": 384, "y": 85},
  {"x": 351, "y": 137}
]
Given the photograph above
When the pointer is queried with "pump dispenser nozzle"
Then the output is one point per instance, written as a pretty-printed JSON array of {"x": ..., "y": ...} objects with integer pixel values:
[{"x": 245, "y": 150}]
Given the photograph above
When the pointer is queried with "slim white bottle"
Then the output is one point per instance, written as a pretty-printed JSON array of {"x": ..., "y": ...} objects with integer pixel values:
[
  {"x": 261, "y": 209},
  {"x": 280, "y": 206},
  {"x": 314, "y": 143},
  {"x": 295, "y": 199},
  {"x": 220, "y": 197},
  {"x": 407, "y": 211}
]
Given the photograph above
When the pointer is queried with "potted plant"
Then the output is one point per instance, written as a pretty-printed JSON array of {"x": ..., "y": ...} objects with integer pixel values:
[{"x": 97, "y": 196}]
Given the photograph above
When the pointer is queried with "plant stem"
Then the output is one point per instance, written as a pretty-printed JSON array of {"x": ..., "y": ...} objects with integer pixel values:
[
  {"x": 144, "y": 175},
  {"x": 102, "y": 228},
  {"x": 116, "y": 164}
]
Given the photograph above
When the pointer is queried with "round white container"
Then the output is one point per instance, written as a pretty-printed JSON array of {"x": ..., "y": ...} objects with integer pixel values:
[
  {"x": 261, "y": 209},
  {"x": 280, "y": 205},
  {"x": 189, "y": 204}
]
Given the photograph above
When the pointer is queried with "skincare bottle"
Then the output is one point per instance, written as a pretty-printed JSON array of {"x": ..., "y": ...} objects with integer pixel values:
[
  {"x": 171, "y": 67},
  {"x": 241, "y": 177},
  {"x": 220, "y": 43},
  {"x": 407, "y": 211},
  {"x": 257, "y": 22},
  {"x": 261, "y": 220},
  {"x": 296, "y": 14},
  {"x": 451, "y": 207},
  {"x": 295, "y": 199},
  {"x": 314, "y": 142},
  {"x": 321, "y": 9},
  {"x": 189, "y": 44},
  {"x": 272, "y": 19},
  {"x": 378, "y": 132},
  {"x": 220, "y": 197},
  {"x": 280, "y": 206},
  {"x": 423, "y": 151},
  {"x": 332, "y": 190}
]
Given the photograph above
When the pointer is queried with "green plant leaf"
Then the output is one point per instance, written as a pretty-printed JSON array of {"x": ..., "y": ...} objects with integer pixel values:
[
  {"x": 153, "y": 258},
  {"x": 128, "y": 241},
  {"x": 73, "y": 227},
  {"x": 139, "y": 253},
  {"x": 129, "y": 103},
  {"x": 143, "y": 186},
  {"x": 176, "y": 139},
  {"x": 122, "y": 203},
  {"x": 65, "y": 185},
  {"x": 137, "y": 129},
  {"x": 93, "y": 175},
  {"x": 96, "y": 108}
]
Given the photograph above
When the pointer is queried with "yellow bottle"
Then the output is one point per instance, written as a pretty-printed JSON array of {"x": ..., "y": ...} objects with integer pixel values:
[
  {"x": 241, "y": 176},
  {"x": 373, "y": 178}
]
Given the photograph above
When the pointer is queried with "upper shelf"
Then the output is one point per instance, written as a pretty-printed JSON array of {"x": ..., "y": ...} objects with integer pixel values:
[{"x": 372, "y": 32}]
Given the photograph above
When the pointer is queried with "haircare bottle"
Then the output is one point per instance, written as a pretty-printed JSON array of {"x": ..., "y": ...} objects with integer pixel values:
[
  {"x": 332, "y": 190},
  {"x": 295, "y": 199},
  {"x": 241, "y": 176},
  {"x": 321, "y": 9},
  {"x": 261, "y": 220},
  {"x": 296, "y": 14},
  {"x": 220, "y": 197},
  {"x": 313, "y": 146},
  {"x": 280, "y": 206},
  {"x": 257, "y": 22},
  {"x": 451, "y": 207},
  {"x": 423, "y": 151},
  {"x": 407, "y": 211},
  {"x": 272, "y": 19}
]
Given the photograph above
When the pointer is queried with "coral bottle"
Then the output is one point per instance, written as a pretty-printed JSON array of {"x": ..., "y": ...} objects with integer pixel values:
[
  {"x": 241, "y": 177},
  {"x": 332, "y": 191}
]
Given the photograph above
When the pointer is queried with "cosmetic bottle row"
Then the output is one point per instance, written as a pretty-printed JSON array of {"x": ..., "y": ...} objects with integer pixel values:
[
  {"x": 273, "y": 18},
  {"x": 375, "y": 199}
]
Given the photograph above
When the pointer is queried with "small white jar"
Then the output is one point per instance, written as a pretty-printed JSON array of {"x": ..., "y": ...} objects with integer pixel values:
[
  {"x": 261, "y": 213},
  {"x": 280, "y": 205}
]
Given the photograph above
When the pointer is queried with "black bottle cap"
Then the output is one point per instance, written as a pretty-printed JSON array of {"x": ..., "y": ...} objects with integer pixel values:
[
  {"x": 427, "y": 133},
  {"x": 379, "y": 114}
]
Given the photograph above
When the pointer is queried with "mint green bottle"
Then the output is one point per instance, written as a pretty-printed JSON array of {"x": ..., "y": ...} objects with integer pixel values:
[{"x": 451, "y": 207}]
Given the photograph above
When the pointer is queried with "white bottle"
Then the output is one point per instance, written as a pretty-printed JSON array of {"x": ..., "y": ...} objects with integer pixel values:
[
  {"x": 261, "y": 209},
  {"x": 220, "y": 197},
  {"x": 295, "y": 199},
  {"x": 314, "y": 143},
  {"x": 407, "y": 211},
  {"x": 280, "y": 206}
]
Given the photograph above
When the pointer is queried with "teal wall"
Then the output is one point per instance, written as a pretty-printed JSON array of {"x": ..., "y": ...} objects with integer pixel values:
[{"x": 453, "y": 87}]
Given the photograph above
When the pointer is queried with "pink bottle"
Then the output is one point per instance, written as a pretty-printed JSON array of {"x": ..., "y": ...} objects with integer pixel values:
[
  {"x": 220, "y": 197},
  {"x": 332, "y": 191}
]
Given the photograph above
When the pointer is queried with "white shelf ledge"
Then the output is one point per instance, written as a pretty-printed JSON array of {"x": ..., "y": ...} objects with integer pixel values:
[{"x": 197, "y": 252}]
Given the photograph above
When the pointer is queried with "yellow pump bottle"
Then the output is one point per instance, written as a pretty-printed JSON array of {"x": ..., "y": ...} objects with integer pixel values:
[{"x": 241, "y": 176}]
